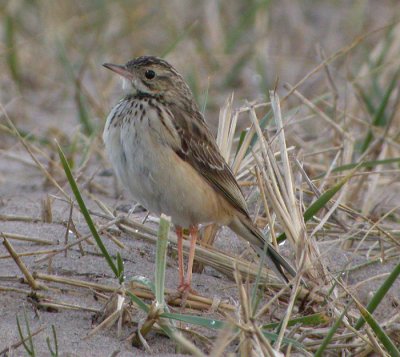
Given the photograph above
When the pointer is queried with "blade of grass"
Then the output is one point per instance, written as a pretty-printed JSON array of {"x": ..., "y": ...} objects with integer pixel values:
[
  {"x": 241, "y": 139},
  {"x": 10, "y": 42},
  {"x": 55, "y": 352},
  {"x": 255, "y": 293},
  {"x": 376, "y": 63},
  {"x": 366, "y": 315},
  {"x": 161, "y": 257},
  {"x": 320, "y": 203},
  {"x": 362, "y": 165},
  {"x": 158, "y": 306},
  {"x": 380, "y": 333},
  {"x": 196, "y": 320},
  {"x": 310, "y": 320},
  {"x": 379, "y": 118},
  {"x": 379, "y": 295},
  {"x": 118, "y": 273},
  {"x": 142, "y": 306},
  {"x": 29, "y": 349},
  {"x": 83, "y": 112},
  {"x": 145, "y": 281},
  {"x": 331, "y": 332},
  {"x": 120, "y": 265},
  {"x": 285, "y": 340},
  {"x": 218, "y": 324}
]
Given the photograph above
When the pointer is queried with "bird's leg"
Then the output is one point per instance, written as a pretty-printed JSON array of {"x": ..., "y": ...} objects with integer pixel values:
[
  {"x": 179, "y": 234},
  {"x": 193, "y": 238}
]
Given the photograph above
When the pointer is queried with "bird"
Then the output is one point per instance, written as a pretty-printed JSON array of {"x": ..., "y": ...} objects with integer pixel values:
[{"x": 164, "y": 153}]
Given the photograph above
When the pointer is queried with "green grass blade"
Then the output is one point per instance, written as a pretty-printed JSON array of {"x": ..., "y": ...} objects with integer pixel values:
[
  {"x": 120, "y": 267},
  {"x": 364, "y": 164},
  {"x": 196, "y": 320},
  {"x": 255, "y": 294},
  {"x": 218, "y": 325},
  {"x": 380, "y": 333},
  {"x": 83, "y": 112},
  {"x": 29, "y": 349},
  {"x": 240, "y": 143},
  {"x": 145, "y": 281},
  {"x": 11, "y": 46},
  {"x": 142, "y": 306},
  {"x": 322, "y": 200},
  {"x": 286, "y": 341},
  {"x": 55, "y": 352},
  {"x": 86, "y": 215},
  {"x": 379, "y": 295},
  {"x": 161, "y": 258},
  {"x": 310, "y": 320},
  {"x": 379, "y": 118},
  {"x": 331, "y": 332},
  {"x": 387, "y": 44},
  {"x": 366, "y": 99}
]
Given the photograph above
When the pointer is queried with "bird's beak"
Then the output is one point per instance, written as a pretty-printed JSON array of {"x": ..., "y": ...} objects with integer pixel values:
[{"x": 121, "y": 70}]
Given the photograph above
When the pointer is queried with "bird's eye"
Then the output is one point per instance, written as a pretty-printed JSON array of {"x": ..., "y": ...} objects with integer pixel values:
[{"x": 150, "y": 74}]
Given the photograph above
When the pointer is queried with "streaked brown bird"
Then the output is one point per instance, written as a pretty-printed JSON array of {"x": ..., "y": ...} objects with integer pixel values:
[{"x": 163, "y": 151}]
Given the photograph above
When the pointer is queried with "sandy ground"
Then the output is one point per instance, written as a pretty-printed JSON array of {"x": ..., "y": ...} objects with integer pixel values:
[{"x": 21, "y": 192}]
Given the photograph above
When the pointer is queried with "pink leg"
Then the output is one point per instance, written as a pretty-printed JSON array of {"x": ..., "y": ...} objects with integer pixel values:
[
  {"x": 179, "y": 234},
  {"x": 193, "y": 238}
]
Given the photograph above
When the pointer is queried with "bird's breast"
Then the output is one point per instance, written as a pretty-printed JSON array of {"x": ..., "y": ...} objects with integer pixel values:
[{"x": 142, "y": 153}]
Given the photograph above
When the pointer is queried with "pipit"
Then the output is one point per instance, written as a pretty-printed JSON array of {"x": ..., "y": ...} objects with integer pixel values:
[{"x": 164, "y": 153}]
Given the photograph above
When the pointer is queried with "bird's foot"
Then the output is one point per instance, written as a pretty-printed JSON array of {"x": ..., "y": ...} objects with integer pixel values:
[{"x": 186, "y": 289}]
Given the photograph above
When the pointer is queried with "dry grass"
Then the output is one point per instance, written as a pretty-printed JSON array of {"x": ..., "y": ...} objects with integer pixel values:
[{"x": 316, "y": 151}]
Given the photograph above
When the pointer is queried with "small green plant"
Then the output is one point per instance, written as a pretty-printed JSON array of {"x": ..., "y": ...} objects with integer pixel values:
[
  {"x": 27, "y": 342},
  {"x": 54, "y": 353}
]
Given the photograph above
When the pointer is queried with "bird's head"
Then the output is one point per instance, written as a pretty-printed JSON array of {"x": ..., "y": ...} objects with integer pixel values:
[{"x": 154, "y": 77}]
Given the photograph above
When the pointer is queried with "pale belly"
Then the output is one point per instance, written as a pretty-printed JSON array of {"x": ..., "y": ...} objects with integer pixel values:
[{"x": 158, "y": 179}]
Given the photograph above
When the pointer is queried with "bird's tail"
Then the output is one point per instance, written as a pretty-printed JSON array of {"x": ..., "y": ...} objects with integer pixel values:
[{"x": 244, "y": 227}]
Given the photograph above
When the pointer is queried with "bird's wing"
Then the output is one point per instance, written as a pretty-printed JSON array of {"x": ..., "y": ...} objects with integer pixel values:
[{"x": 199, "y": 148}]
